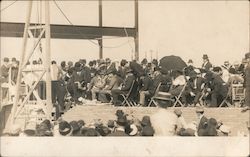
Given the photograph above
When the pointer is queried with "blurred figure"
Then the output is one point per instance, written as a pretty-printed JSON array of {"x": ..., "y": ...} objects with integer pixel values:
[{"x": 247, "y": 82}]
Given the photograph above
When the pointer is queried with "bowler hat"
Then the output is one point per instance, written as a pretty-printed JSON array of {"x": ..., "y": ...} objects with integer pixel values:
[
  {"x": 205, "y": 56},
  {"x": 199, "y": 109}
]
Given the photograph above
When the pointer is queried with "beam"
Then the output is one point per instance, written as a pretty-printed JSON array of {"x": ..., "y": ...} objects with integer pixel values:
[
  {"x": 100, "y": 25},
  {"x": 136, "y": 38},
  {"x": 9, "y": 29}
]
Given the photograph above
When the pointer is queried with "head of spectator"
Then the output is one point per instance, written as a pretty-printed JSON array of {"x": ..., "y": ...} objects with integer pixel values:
[
  {"x": 39, "y": 61},
  {"x": 199, "y": 111},
  {"x": 217, "y": 70},
  {"x": 145, "y": 121},
  {"x": 226, "y": 64},
  {"x": 94, "y": 63},
  {"x": 111, "y": 124},
  {"x": 82, "y": 62},
  {"x": 63, "y": 64},
  {"x": 121, "y": 120},
  {"x": 53, "y": 62},
  {"x": 44, "y": 129},
  {"x": 190, "y": 62},
  {"x": 14, "y": 62},
  {"x": 232, "y": 71},
  {"x": 81, "y": 123},
  {"x": 155, "y": 62},
  {"x": 91, "y": 64},
  {"x": 77, "y": 66},
  {"x": 75, "y": 127},
  {"x": 205, "y": 58},
  {"x": 6, "y": 61},
  {"x": 247, "y": 57},
  {"x": 70, "y": 64},
  {"x": 65, "y": 128},
  {"x": 123, "y": 63},
  {"x": 144, "y": 62},
  {"x": 108, "y": 61}
]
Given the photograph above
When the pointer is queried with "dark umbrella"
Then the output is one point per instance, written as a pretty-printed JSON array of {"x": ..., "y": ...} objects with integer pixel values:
[{"x": 172, "y": 63}]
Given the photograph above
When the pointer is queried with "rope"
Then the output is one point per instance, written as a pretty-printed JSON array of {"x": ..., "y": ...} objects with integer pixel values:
[
  {"x": 65, "y": 16},
  {"x": 8, "y": 6}
]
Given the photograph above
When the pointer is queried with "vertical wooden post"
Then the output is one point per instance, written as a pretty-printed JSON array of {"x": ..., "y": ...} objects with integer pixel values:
[
  {"x": 47, "y": 62},
  {"x": 136, "y": 31},
  {"x": 22, "y": 64},
  {"x": 100, "y": 25}
]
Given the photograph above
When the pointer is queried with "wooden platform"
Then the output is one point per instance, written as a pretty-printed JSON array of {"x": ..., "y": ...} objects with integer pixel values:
[{"x": 232, "y": 117}]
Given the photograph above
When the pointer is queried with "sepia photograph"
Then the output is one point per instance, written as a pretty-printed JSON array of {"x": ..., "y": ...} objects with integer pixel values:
[{"x": 124, "y": 78}]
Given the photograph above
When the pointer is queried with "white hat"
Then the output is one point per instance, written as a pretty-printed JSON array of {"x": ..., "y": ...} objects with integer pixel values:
[{"x": 224, "y": 129}]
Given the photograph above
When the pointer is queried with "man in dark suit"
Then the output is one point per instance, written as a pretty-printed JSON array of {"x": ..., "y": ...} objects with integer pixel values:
[
  {"x": 247, "y": 83},
  {"x": 219, "y": 89},
  {"x": 194, "y": 87},
  {"x": 128, "y": 82},
  {"x": 206, "y": 66},
  {"x": 202, "y": 121}
]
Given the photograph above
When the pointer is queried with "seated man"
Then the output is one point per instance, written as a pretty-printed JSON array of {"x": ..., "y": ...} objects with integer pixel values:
[
  {"x": 130, "y": 78},
  {"x": 218, "y": 88},
  {"x": 194, "y": 87},
  {"x": 97, "y": 84},
  {"x": 146, "y": 82},
  {"x": 113, "y": 82}
]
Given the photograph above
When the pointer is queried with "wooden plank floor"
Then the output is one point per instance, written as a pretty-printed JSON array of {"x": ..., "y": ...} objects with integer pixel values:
[{"x": 232, "y": 117}]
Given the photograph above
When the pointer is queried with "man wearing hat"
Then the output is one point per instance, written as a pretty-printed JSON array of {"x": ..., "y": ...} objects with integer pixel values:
[
  {"x": 202, "y": 121},
  {"x": 219, "y": 88},
  {"x": 122, "y": 68},
  {"x": 206, "y": 65},
  {"x": 189, "y": 67},
  {"x": 128, "y": 82}
]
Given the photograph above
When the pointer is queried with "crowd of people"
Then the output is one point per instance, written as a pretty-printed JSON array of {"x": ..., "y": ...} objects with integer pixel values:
[
  {"x": 103, "y": 81},
  {"x": 161, "y": 123}
]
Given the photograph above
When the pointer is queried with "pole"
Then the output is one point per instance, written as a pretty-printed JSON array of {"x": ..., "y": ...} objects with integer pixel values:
[
  {"x": 47, "y": 62},
  {"x": 100, "y": 25},
  {"x": 136, "y": 31},
  {"x": 24, "y": 46}
]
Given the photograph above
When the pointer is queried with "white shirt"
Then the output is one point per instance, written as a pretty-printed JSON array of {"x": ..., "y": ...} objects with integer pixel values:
[{"x": 180, "y": 80}]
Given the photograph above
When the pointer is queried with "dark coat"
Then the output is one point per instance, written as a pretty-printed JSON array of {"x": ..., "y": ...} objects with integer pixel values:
[
  {"x": 118, "y": 133},
  {"x": 86, "y": 73},
  {"x": 202, "y": 126},
  {"x": 218, "y": 86},
  {"x": 207, "y": 66},
  {"x": 199, "y": 82},
  {"x": 146, "y": 83},
  {"x": 128, "y": 82},
  {"x": 121, "y": 72}
]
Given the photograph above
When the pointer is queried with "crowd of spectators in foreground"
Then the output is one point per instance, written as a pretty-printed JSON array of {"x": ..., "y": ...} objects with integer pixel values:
[{"x": 161, "y": 123}]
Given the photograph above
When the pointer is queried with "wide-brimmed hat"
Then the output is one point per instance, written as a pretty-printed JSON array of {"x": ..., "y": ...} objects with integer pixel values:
[
  {"x": 199, "y": 109},
  {"x": 205, "y": 56},
  {"x": 64, "y": 128}
]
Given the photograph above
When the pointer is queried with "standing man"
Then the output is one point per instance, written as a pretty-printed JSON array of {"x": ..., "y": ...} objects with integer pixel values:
[
  {"x": 206, "y": 66},
  {"x": 202, "y": 121}
]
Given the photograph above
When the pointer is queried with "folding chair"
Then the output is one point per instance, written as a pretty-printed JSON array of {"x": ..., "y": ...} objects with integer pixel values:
[
  {"x": 226, "y": 100},
  {"x": 177, "y": 98},
  {"x": 159, "y": 96},
  {"x": 238, "y": 93},
  {"x": 126, "y": 100}
]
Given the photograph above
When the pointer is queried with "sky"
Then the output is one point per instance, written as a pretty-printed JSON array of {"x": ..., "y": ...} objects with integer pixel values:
[{"x": 187, "y": 29}]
